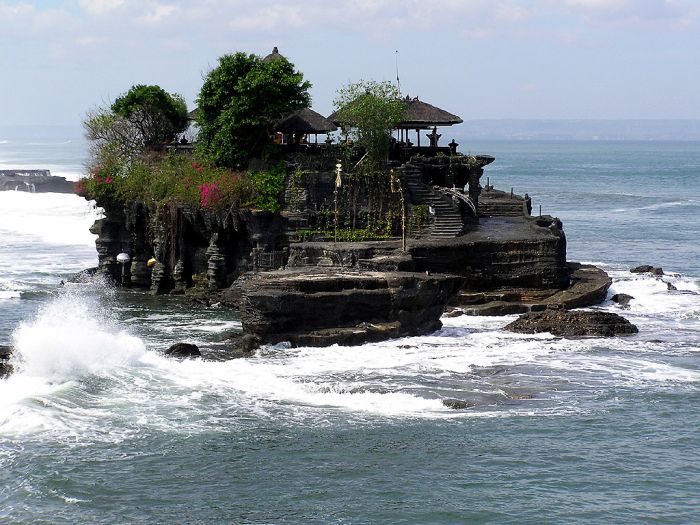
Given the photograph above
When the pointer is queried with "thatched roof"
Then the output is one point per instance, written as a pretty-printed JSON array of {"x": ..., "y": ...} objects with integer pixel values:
[
  {"x": 275, "y": 55},
  {"x": 420, "y": 114},
  {"x": 304, "y": 121}
]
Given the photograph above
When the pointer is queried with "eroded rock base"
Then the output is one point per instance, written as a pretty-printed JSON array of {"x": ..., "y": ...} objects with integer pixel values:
[{"x": 313, "y": 307}]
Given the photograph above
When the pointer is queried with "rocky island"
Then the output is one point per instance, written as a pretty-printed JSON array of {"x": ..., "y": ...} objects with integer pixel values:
[
  {"x": 34, "y": 181},
  {"x": 357, "y": 238}
]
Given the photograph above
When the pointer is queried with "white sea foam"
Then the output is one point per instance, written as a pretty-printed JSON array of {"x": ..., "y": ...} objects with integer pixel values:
[
  {"x": 68, "y": 340},
  {"x": 51, "y": 218},
  {"x": 69, "y": 346}
]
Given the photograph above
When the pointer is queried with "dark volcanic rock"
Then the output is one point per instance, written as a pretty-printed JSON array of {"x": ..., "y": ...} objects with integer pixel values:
[
  {"x": 34, "y": 181},
  {"x": 573, "y": 324},
  {"x": 183, "y": 350},
  {"x": 241, "y": 345},
  {"x": 646, "y": 268},
  {"x": 622, "y": 299},
  {"x": 457, "y": 404},
  {"x": 5, "y": 366},
  {"x": 322, "y": 307},
  {"x": 588, "y": 286}
]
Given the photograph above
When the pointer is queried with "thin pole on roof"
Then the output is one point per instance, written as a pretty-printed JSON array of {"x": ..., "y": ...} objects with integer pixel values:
[{"x": 398, "y": 81}]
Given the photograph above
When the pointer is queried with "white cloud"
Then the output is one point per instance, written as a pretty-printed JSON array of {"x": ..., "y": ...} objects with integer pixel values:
[
  {"x": 99, "y": 7},
  {"x": 157, "y": 14}
]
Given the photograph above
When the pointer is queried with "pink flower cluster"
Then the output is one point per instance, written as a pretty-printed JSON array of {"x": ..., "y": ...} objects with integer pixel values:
[{"x": 209, "y": 194}]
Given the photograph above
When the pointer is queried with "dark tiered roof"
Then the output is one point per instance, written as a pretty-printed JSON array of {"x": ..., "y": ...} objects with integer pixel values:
[
  {"x": 305, "y": 121},
  {"x": 420, "y": 114}
]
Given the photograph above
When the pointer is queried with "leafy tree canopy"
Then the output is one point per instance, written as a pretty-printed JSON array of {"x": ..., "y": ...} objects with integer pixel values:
[
  {"x": 143, "y": 117},
  {"x": 370, "y": 110},
  {"x": 240, "y": 101},
  {"x": 156, "y": 114}
]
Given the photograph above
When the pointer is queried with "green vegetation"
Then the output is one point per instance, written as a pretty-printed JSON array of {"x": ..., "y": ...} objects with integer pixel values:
[
  {"x": 368, "y": 111},
  {"x": 143, "y": 118},
  {"x": 179, "y": 179},
  {"x": 240, "y": 101},
  {"x": 157, "y": 115}
]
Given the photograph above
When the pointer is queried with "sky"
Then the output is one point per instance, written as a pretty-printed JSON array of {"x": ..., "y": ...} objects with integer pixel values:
[{"x": 480, "y": 59}]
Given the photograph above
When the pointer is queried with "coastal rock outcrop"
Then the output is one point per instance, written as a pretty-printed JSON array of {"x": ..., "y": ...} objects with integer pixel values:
[
  {"x": 34, "y": 181},
  {"x": 316, "y": 307},
  {"x": 183, "y": 350},
  {"x": 647, "y": 268},
  {"x": 588, "y": 286},
  {"x": 564, "y": 323}
]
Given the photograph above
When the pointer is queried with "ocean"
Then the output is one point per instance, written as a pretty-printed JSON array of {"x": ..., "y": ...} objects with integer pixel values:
[{"x": 97, "y": 427}]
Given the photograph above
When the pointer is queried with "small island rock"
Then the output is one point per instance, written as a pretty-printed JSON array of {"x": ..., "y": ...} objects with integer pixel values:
[
  {"x": 573, "y": 324},
  {"x": 622, "y": 299},
  {"x": 647, "y": 268},
  {"x": 183, "y": 350}
]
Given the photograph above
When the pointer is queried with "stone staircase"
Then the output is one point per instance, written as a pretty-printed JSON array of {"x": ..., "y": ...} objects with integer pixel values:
[{"x": 447, "y": 220}]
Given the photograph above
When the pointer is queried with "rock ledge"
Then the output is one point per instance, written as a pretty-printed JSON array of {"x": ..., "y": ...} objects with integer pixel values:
[{"x": 573, "y": 324}]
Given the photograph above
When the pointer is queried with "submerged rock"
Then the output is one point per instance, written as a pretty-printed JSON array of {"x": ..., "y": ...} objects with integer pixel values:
[
  {"x": 183, "y": 350},
  {"x": 573, "y": 324},
  {"x": 241, "y": 345}
]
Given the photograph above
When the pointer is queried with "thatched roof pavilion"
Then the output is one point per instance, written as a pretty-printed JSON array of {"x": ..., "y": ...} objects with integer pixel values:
[
  {"x": 421, "y": 115},
  {"x": 305, "y": 121}
]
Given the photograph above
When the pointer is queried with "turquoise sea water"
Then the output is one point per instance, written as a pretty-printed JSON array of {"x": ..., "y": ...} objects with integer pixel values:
[{"x": 97, "y": 427}]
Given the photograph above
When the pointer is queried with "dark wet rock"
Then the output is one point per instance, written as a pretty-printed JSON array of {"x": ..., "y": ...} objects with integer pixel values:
[
  {"x": 564, "y": 323},
  {"x": 183, "y": 350},
  {"x": 241, "y": 345},
  {"x": 457, "y": 404},
  {"x": 317, "y": 307},
  {"x": 34, "y": 181},
  {"x": 588, "y": 286},
  {"x": 5, "y": 366},
  {"x": 647, "y": 268},
  {"x": 83, "y": 276},
  {"x": 5, "y": 352},
  {"x": 669, "y": 286},
  {"x": 622, "y": 299}
]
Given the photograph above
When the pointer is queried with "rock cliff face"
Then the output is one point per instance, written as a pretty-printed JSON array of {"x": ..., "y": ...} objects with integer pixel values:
[{"x": 191, "y": 246}]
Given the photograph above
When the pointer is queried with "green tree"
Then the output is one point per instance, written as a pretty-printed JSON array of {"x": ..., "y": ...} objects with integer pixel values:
[
  {"x": 142, "y": 118},
  {"x": 240, "y": 101},
  {"x": 370, "y": 110},
  {"x": 157, "y": 115}
]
